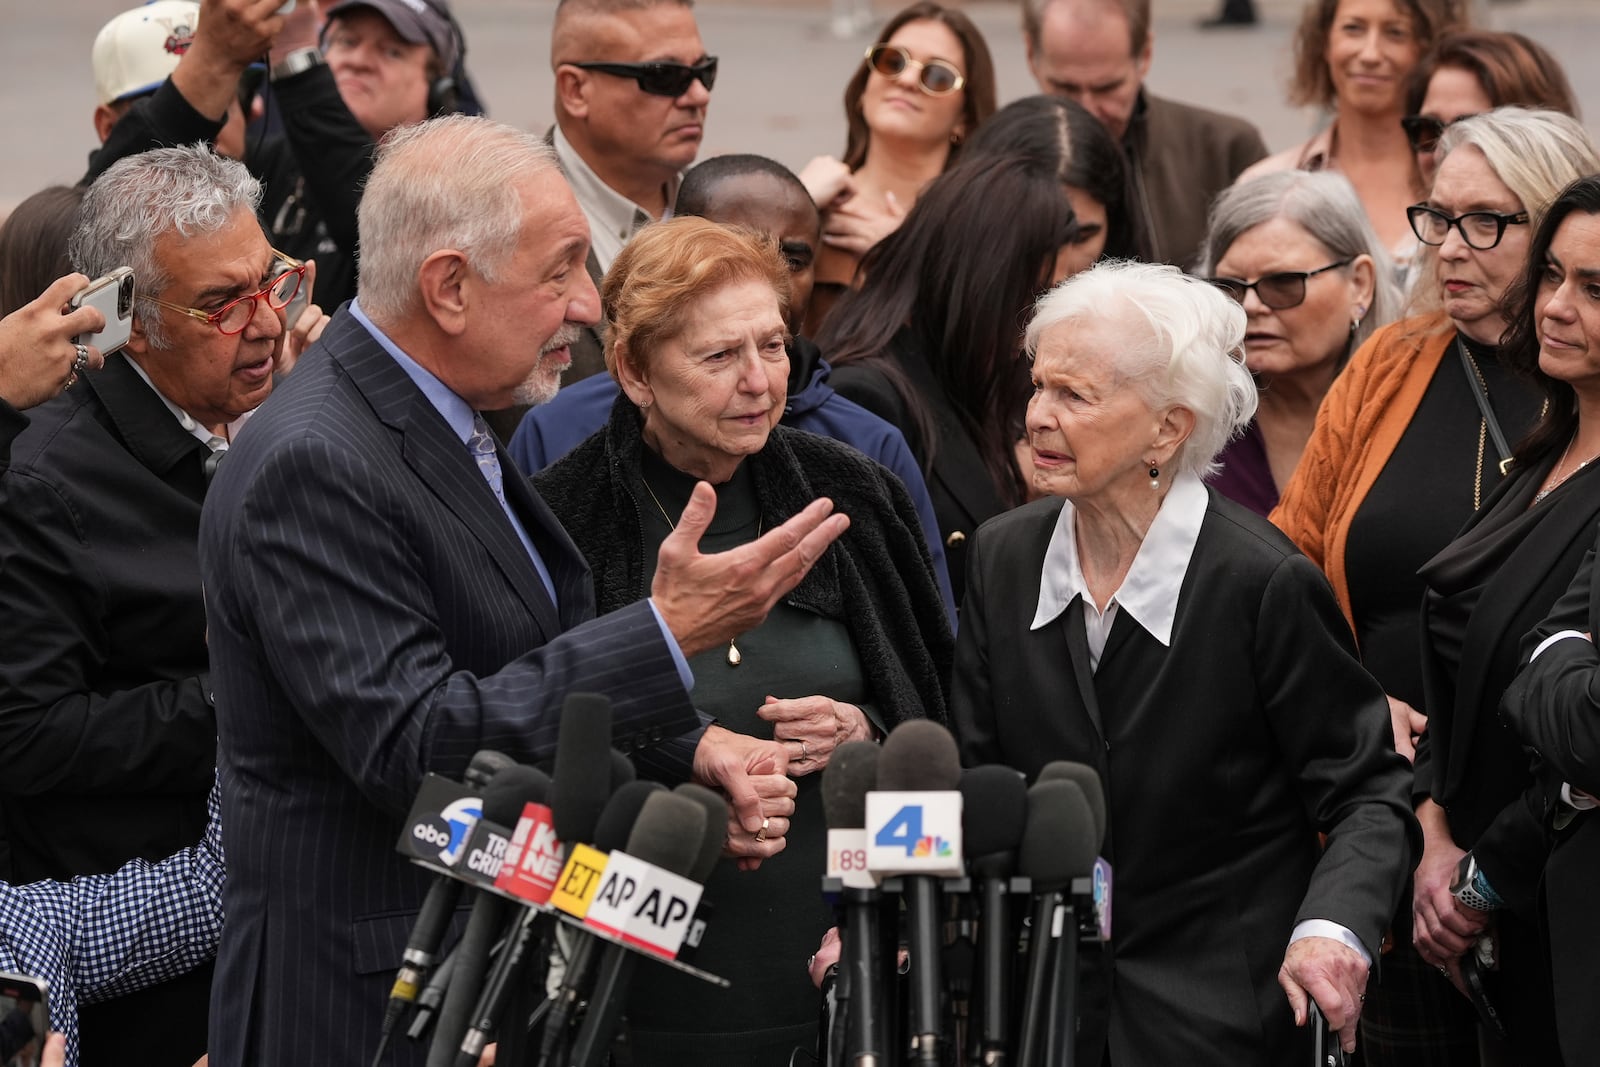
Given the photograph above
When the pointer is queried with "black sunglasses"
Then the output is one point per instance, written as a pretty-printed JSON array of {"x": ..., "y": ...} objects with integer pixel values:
[
  {"x": 1480, "y": 229},
  {"x": 1286, "y": 289},
  {"x": 661, "y": 79},
  {"x": 1424, "y": 131}
]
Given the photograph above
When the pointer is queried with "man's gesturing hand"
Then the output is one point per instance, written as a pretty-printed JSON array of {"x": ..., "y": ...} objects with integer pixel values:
[{"x": 708, "y": 600}]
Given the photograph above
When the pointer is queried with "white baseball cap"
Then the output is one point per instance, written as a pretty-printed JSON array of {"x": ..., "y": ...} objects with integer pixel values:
[{"x": 136, "y": 51}]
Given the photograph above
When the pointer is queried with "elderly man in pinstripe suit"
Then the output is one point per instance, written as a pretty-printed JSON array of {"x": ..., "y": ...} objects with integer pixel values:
[{"x": 386, "y": 595}]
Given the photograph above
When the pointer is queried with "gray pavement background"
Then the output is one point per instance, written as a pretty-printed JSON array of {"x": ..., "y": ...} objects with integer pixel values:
[{"x": 781, "y": 78}]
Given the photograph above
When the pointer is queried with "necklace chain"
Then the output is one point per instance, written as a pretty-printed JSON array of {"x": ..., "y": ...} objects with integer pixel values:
[
  {"x": 1557, "y": 479},
  {"x": 735, "y": 657}
]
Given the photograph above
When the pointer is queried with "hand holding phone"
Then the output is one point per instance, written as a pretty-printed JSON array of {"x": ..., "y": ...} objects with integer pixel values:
[
  {"x": 24, "y": 1013},
  {"x": 112, "y": 294}
]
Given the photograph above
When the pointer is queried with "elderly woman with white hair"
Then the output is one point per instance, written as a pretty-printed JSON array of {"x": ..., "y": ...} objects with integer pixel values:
[
  {"x": 1144, "y": 625},
  {"x": 1295, "y": 249}
]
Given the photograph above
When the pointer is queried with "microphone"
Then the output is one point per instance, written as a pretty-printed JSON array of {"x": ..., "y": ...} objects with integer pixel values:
[
  {"x": 915, "y": 814},
  {"x": 852, "y": 773},
  {"x": 610, "y": 833},
  {"x": 994, "y": 814},
  {"x": 582, "y": 748},
  {"x": 644, "y": 886},
  {"x": 422, "y": 949},
  {"x": 1099, "y": 896},
  {"x": 622, "y": 770},
  {"x": 1057, "y": 846},
  {"x": 512, "y": 789}
]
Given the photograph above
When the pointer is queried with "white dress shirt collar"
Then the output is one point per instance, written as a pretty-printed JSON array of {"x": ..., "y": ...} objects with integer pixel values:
[
  {"x": 1149, "y": 591},
  {"x": 613, "y": 218},
  {"x": 191, "y": 425}
]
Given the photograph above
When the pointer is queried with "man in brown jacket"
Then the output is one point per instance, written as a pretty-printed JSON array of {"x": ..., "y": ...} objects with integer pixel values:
[{"x": 1097, "y": 52}]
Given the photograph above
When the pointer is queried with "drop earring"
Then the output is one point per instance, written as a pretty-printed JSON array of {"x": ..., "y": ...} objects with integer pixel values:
[
  {"x": 1355, "y": 323},
  {"x": 1155, "y": 476}
]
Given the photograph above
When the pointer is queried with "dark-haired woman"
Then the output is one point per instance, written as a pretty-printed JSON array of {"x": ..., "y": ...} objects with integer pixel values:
[
  {"x": 932, "y": 340},
  {"x": 1472, "y": 71},
  {"x": 918, "y": 94},
  {"x": 1060, "y": 134},
  {"x": 1552, "y": 704},
  {"x": 1487, "y": 589}
]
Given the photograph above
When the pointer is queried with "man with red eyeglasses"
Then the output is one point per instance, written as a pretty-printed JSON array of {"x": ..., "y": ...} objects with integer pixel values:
[
  {"x": 106, "y": 716},
  {"x": 632, "y": 87}
]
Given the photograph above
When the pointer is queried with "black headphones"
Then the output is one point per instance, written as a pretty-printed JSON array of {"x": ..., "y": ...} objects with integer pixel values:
[{"x": 444, "y": 92}]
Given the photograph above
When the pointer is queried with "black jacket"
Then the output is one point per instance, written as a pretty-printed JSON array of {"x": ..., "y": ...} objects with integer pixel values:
[
  {"x": 963, "y": 491},
  {"x": 311, "y": 176},
  {"x": 1221, "y": 756},
  {"x": 877, "y": 578},
  {"x": 109, "y": 737}
]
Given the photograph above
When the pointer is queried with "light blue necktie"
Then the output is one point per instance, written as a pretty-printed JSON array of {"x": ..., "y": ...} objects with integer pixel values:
[{"x": 481, "y": 442}]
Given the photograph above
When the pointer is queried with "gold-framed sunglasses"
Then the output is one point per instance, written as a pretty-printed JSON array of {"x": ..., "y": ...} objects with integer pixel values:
[
  {"x": 935, "y": 77},
  {"x": 231, "y": 318}
]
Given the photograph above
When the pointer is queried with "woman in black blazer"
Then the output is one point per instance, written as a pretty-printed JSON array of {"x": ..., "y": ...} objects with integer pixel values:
[
  {"x": 1488, "y": 588},
  {"x": 1181, "y": 646}
]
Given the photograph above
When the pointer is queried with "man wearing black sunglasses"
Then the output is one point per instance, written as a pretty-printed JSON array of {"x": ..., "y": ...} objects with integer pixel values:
[{"x": 632, "y": 87}]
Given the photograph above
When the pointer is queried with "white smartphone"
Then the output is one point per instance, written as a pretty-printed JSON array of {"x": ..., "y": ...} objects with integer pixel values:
[
  {"x": 113, "y": 294},
  {"x": 288, "y": 6},
  {"x": 24, "y": 1017},
  {"x": 302, "y": 300}
]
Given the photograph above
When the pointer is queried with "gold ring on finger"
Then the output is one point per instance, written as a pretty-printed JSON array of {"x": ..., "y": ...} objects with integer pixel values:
[{"x": 761, "y": 834}]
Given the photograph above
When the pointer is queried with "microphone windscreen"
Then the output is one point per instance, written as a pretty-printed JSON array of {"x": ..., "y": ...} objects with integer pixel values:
[
  {"x": 919, "y": 755},
  {"x": 486, "y": 762},
  {"x": 622, "y": 770},
  {"x": 510, "y": 789},
  {"x": 851, "y": 773},
  {"x": 994, "y": 811},
  {"x": 583, "y": 752},
  {"x": 1058, "y": 840},
  {"x": 621, "y": 812},
  {"x": 1088, "y": 780},
  {"x": 668, "y": 833},
  {"x": 716, "y": 834}
]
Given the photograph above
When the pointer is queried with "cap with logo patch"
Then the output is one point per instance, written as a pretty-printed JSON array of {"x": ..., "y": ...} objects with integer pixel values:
[{"x": 136, "y": 51}]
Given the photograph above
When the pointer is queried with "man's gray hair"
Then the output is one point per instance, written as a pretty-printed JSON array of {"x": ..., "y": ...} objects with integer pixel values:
[
  {"x": 1322, "y": 203},
  {"x": 451, "y": 182},
  {"x": 1184, "y": 346},
  {"x": 189, "y": 190}
]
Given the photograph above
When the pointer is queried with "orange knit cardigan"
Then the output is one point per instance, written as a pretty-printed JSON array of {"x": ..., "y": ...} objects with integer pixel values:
[{"x": 1358, "y": 426}]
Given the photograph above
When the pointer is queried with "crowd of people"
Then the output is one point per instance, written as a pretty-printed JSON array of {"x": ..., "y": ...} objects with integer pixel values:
[{"x": 1261, "y": 484}]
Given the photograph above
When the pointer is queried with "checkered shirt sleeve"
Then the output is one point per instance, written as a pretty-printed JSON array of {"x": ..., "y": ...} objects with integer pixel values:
[{"x": 100, "y": 936}]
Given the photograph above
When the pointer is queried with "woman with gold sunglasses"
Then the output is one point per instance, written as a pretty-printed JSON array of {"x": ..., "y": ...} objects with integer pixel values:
[{"x": 918, "y": 95}]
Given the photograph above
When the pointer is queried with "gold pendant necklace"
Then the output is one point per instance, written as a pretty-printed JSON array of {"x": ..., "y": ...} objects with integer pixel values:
[{"x": 734, "y": 656}]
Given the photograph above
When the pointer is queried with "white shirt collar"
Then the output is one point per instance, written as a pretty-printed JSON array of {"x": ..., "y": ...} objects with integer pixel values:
[
  {"x": 1149, "y": 591},
  {"x": 613, "y": 218},
  {"x": 190, "y": 424}
]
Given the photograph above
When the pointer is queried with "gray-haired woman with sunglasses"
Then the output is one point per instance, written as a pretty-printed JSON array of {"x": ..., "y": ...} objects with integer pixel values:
[
  {"x": 920, "y": 91},
  {"x": 1409, "y": 443},
  {"x": 1295, "y": 249}
]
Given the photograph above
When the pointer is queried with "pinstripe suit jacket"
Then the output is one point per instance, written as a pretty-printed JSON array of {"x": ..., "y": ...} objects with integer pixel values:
[{"x": 373, "y": 616}]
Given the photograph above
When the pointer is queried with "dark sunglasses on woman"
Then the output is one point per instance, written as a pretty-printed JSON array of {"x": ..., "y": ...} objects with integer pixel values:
[
  {"x": 661, "y": 79},
  {"x": 1281, "y": 291},
  {"x": 935, "y": 77},
  {"x": 1424, "y": 131}
]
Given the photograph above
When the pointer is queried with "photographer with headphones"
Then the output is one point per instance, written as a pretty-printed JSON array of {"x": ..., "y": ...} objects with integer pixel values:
[{"x": 374, "y": 65}]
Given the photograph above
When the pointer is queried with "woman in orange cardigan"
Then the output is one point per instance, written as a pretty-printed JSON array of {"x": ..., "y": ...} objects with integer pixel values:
[{"x": 1408, "y": 444}]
